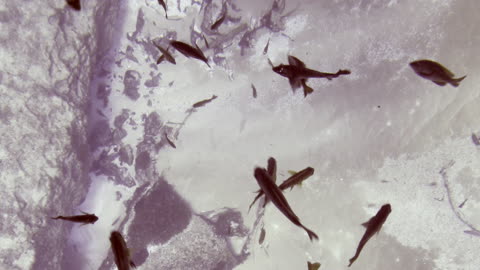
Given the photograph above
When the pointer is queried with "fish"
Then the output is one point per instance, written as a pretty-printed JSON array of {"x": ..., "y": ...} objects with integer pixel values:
[
  {"x": 265, "y": 50},
  {"x": 475, "y": 139},
  {"x": 162, "y": 3},
  {"x": 254, "y": 91},
  {"x": 120, "y": 251},
  {"x": 298, "y": 74},
  {"x": 373, "y": 226},
  {"x": 295, "y": 72},
  {"x": 165, "y": 55},
  {"x": 313, "y": 266},
  {"x": 435, "y": 72},
  {"x": 297, "y": 178},
  {"x": 169, "y": 141},
  {"x": 203, "y": 102},
  {"x": 75, "y": 4},
  {"x": 272, "y": 171},
  {"x": 262, "y": 236},
  {"x": 463, "y": 203},
  {"x": 85, "y": 219},
  {"x": 220, "y": 20},
  {"x": 189, "y": 51},
  {"x": 274, "y": 194}
]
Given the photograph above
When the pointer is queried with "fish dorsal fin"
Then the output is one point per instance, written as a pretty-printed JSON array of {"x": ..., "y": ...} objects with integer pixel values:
[{"x": 365, "y": 224}]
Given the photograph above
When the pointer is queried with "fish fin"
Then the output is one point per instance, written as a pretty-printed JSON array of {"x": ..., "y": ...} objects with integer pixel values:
[
  {"x": 85, "y": 213},
  {"x": 441, "y": 83},
  {"x": 291, "y": 172},
  {"x": 365, "y": 224},
  {"x": 310, "y": 233},
  {"x": 307, "y": 89},
  {"x": 456, "y": 82},
  {"x": 351, "y": 261},
  {"x": 132, "y": 264},
  {"x": 160, "y": 59}
]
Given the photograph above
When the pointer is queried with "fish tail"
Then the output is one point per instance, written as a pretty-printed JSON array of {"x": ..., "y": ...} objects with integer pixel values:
[
  {"x": 306, "y": 91},
  {"x": 456, "y": 82},
  {"x": 343, "y": 72},
  {"x": 310, "y": 233},
  {"x": 59, "y": 217},
  {"x": 351, "y": 261}
]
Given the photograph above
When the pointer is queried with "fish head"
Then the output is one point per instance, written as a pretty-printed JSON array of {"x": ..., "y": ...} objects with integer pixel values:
[
  {"x": 386, "y": 208},
  {"x": 282, "y": 70},
  {"x": 93, "y": 219},
  {"x": 422, "y": 67}
]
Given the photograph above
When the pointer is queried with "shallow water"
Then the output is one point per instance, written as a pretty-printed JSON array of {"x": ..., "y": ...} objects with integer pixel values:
[{"x": 379, "y": 135}]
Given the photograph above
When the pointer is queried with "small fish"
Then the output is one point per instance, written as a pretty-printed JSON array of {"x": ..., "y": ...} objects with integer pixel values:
[
  {"x": 219, "y": 21},
  {"x": 297, "y": 178},
  {"x": 75, "y": 4},
  {"x": 463, "y": 203},
  {"x": 373, "y": 226},
  {"x": 313, "y": 266},
  {"x": 254, "y": 91},
  {"x": 165, "y": 55},
  {"x": 262, "y": 236},
  {"x": 475, "y": 139},
  {"x": 169, "y": 141},
  {"x": 189, "y": 51},
  {"x": 265, "y": 50},
  {"x": 435, "y": 72},
  {"x": 295, "y": 72},
  {"x": 273, "y": 193},
  {"x": 85, "y": 219},
  {"x": 203, "y": 102},
  {"x": 206, "y": 42},
  {"x": 162, "y": 3},
  {"x": 120, "y": 251}
]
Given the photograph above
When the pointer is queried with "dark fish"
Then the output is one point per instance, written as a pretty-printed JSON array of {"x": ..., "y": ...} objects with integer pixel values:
[
  {"x": 165, "y": 55},
  {"x": 262, "y": 236},
  {"x": 169, "y": 141},
  {"x": 296, "y": 72},
  {"x": 189, "y": 51},
  {"x": 475, "y": 139},
  {"x": 297, "y": 178},
  {"x": 219, "y": 21},
  {"x": 203, "y": 102},
  {"x": 162, "y": 3},
  {"x": 273, "y": 193},
  {"x": 435, "y": 72},
  {"x": 85, "y": 219},
  {"x": 265, "y": 50},
  {"x": 373, "y": 226},
  {"x": 272, "y": 171},
  {"x": 206, "y": 42},
  {"x": 254, "y": 91},
  {"x": 313, "y": 266},
  {"x": 120, "y": 251},
  {"x": 75, "y": 4},
  {"x": 463, "y": 203}
]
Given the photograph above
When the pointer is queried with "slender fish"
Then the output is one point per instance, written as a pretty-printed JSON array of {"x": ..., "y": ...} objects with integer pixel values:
[
  {"x": 273, "y": 193},
  {"x": 373, "y": 226},
  {"x": 85, "y": 219}
]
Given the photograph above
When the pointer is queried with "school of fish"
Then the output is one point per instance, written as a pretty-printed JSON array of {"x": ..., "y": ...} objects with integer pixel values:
[{"x": 298, "y": 75}]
